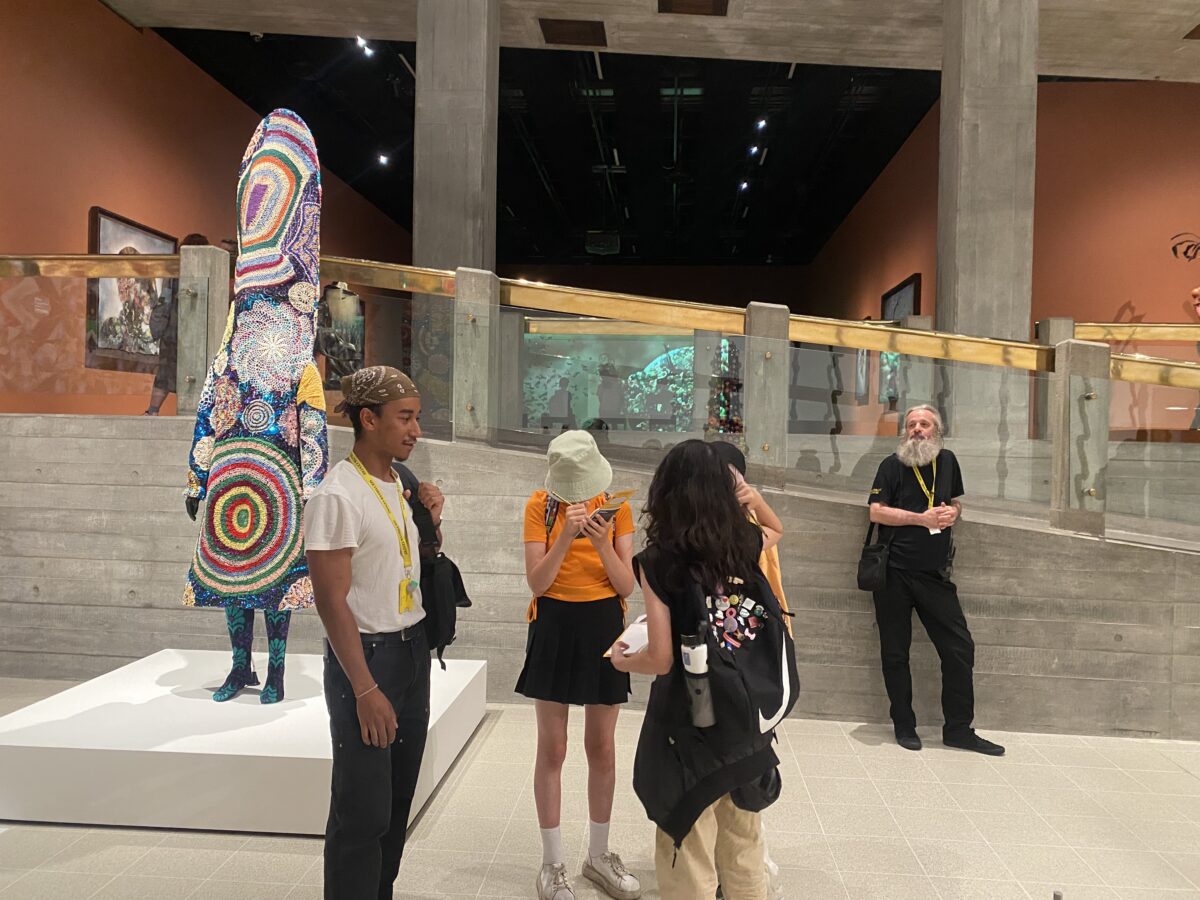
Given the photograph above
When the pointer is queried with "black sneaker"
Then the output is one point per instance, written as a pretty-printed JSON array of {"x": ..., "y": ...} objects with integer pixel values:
[
  {"x": 973, "y": 742},
  {"x": 909, "y": 740}
]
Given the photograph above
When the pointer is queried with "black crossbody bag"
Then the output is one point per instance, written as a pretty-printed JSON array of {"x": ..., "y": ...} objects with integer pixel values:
[{"x": 872, "y": 565}]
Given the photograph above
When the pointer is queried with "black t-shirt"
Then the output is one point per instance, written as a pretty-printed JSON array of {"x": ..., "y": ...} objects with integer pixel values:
[{"x": 896, "y": 485}]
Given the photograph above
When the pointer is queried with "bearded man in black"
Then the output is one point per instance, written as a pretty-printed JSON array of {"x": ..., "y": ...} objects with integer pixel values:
[{"x": 914, "y": 500}]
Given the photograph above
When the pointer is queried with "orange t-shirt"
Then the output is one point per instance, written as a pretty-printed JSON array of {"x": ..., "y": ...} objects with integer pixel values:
[{"x": 581, "y": 577}]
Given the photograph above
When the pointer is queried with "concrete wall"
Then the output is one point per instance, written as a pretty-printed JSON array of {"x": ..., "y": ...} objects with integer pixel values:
[{"x": 1074, "y": 634}]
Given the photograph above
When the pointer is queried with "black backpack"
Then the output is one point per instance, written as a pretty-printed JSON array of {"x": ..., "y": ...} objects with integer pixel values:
[
  {"x": 753, "y": 678},
  {"x": 442, "y": 590},
  {"x": 751, "y": 659}
]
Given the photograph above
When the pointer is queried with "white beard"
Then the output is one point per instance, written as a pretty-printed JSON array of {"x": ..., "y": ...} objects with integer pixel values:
[{"x": 918, "y": 452}]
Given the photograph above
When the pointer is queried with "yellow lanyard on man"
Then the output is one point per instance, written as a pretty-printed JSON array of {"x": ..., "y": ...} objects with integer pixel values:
[
  {"x": 407, "y": 584},
  {"x": 927, "y": 491}
]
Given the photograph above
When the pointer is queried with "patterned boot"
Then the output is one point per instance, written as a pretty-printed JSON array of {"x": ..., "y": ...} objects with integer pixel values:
[
  {"x": 240, "y": 622},
  {"x": 277, "y": 632}
]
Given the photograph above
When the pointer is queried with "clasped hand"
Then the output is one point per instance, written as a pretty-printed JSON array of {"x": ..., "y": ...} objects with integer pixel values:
[{"x": 942, "y": 516}]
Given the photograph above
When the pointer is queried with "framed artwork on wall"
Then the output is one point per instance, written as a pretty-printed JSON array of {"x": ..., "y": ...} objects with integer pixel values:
[
  {"x": 902, "y": 300},
  {"x": 118, "y": 309}
]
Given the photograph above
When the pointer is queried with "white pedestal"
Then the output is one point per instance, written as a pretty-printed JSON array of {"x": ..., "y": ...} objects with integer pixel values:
[{"x": 146, "y": 745}]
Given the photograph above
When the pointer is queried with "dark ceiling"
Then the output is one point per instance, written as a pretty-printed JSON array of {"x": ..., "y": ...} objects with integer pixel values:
[{"x": 641, "y": 160}]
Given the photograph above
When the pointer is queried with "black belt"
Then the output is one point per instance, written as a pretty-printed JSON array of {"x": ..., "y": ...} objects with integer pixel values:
[{"x": 393, "y": 638}]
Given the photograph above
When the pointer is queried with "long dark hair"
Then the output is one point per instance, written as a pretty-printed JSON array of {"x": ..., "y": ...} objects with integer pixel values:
[{"x": 694, "y": 519}]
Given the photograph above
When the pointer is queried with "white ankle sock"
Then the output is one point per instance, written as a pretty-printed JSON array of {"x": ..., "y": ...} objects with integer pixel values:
[
  {"x": 597, "y": 839},
  {"x": 552, "y": 851}
]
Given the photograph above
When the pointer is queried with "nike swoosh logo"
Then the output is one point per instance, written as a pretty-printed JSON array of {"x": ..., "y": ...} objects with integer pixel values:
[{"x": 765, "y": 725}]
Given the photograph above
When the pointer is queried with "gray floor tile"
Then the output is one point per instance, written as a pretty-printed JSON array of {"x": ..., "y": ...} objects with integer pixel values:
[
  {"x": 959, "y": 859},
  {"x": 1046, "y": 777},
  {"x": 103, "y": 852},
  {"x": 458, "y": 833},
  {"x": 23, "y": 847},
  {"x": 1015, "y": 828},
  {"x": 813, "y": 883},
  {"x": 1065, "y": 803},
  {"x": 1096, "y": 832},
  {"x": 1178, "y": 784},
  {"x": 800, "y": 851},
  {"x": 998, "y": 798},
  {"x": 792, "y": 815},
  {"x": 1153, "y": 894},
  {"x": 852, "y": 791},
  {"x": 1186, "y": 863},
  {"x": 1076, "y": 756},
  {"x": 179, "y": 862},
  {"x": 1136, "y": 869},
  {"x": 263, "y": 867},
  {"x": 1045, "y": 891},
  {"x": 1093, "y": 779},
  {"x": 444, "y": 871},
  {"x": 228, "y": 890},
  {"x": 965, "y": 770},
  {"x": 8, "y": 876},
  {"x": 870, "y": 886},
  {"x": 1173, "y": 837},
  {"x": 916, "y": 795},
  {"x": 972, "y": 889},
  {"x": 881, "y": 856},
  {"x": 1062, "y": 865},
  {"x": 131, "y": 887},
  {"x": 55, "y": 885},
  {"x": 811, "y": 764},
  {"x": 863, "y": 821},
  {"x": 936, "y": 824}
]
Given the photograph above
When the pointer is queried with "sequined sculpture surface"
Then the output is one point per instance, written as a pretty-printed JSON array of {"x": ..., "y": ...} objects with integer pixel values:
[{"x": 260, "y": 443}]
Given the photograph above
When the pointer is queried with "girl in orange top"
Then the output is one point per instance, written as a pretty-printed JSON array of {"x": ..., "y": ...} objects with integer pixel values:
[{"x": 579, "y": 565}]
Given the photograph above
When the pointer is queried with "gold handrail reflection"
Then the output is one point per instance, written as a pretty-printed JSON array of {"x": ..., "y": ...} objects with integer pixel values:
[
  {"x": 1136, "y": 331},
  {"x": 90, "y": 265},
  {"x": 1153, "y": 370},
  {"x": 393, "y": 276}
]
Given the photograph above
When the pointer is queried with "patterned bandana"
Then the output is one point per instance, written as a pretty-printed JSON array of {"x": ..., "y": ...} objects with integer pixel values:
[{"x": 374, "y": 385}]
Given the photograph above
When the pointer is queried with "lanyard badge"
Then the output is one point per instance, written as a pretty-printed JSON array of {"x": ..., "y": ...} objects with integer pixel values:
[
  {"x": 927, "y": 491},
  {"x": 408, "y": 585}
]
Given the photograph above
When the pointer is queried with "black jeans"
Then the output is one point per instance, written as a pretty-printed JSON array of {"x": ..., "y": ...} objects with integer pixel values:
[
  {"x": 373, "y": 788},
  {"x": 936, "y": 602}
]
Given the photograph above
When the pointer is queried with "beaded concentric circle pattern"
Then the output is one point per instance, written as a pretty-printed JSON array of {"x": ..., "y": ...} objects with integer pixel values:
[{"x": 251, "y": 541}]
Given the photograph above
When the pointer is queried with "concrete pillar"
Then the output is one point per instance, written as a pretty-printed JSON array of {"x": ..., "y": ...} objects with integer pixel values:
[
  {"x": 1079, "y": 400},
  {"x": 1051, "y": 332},
  {"x": 477, "y": 330},
  {"x": 986, "y": 167},
  {"x": 454, "y": 174},
  {"x": 767, "y": 364},
  {"x": 203, "y": 299}
]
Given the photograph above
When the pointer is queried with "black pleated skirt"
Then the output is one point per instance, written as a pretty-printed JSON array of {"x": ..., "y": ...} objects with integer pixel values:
[{"x": 564, "y": 653}]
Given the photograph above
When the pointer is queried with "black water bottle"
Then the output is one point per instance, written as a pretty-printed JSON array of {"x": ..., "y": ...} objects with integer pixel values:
[{"x": 695, "y": 671}]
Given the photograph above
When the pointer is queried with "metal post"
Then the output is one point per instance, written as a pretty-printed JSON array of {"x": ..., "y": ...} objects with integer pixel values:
[{"x": 1079, "y": 401}]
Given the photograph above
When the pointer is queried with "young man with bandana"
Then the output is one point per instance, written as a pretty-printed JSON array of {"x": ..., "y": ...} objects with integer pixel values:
[
  {"x": 363, "y": 554},
  {"x": 914, "y": 500}
]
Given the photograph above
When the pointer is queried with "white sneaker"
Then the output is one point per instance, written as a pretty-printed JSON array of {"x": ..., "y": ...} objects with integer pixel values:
[
  {"x": 552, "y": 883},
  {"x": 610, "y": 873}
]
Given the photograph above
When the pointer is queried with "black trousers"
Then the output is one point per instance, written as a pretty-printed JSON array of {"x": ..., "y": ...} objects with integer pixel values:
[
  {"x": 372, "y": 789},
  {"x": 936, "y": 602}
]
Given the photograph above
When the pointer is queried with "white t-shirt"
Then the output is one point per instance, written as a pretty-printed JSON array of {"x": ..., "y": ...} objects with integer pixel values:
[{"x": 344, "y": 512}]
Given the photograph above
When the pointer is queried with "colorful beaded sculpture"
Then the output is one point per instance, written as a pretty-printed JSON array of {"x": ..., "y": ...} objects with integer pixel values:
[{"x": 260, "y": 444}]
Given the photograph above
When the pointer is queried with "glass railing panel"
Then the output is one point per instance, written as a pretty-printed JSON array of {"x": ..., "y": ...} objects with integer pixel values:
[
  {"x": 846, "y": 409},
  {"x": 84, "y": 346},
  {"x": 369, "y": 326}
]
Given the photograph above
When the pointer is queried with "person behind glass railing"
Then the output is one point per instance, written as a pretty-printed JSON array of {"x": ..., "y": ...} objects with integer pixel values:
[{"x": 915, "y": 502}]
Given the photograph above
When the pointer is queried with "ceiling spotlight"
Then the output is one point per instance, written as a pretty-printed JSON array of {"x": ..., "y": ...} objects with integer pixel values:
[
  {"x": 361, "y": 42},
  {"x": 383, "y": 160},
  {"x": 367, "y": 51},
  {"x": 743, "y": 185},
  {"x": 760, "y": 124},
  {"x": 754, "y": 150}
]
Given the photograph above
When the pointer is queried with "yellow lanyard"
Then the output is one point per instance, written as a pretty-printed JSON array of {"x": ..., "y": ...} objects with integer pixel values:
[
  {"x": 407, "y": 584},
  {"x": 927, "y": 491}
]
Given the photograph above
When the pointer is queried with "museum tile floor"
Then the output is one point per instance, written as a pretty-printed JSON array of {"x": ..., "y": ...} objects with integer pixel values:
[{"x": 859, "y": 819}]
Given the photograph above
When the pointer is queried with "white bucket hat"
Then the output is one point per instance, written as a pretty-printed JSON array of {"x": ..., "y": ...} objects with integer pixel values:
[{"x": 578, "y": 471}]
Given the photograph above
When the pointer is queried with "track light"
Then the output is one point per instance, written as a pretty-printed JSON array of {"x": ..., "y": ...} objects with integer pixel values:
[{"x": 383, "y": 159}]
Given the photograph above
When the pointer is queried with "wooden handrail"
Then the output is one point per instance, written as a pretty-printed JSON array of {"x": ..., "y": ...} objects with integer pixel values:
[{"x": 1136, "y": 331}]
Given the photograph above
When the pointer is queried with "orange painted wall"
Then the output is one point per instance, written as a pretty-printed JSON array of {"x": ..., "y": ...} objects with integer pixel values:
[
  {"x": 889, "y": 235},
  {"x": 97, "y": 113}
]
